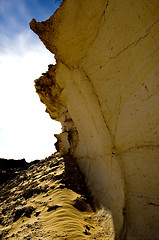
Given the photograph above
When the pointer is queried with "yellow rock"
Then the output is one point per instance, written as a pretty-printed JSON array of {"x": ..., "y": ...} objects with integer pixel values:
[{"x": 105, "y": 92}]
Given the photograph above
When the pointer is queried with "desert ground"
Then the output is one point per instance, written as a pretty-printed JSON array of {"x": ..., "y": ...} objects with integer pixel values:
[{"x": 49, "y": 200}]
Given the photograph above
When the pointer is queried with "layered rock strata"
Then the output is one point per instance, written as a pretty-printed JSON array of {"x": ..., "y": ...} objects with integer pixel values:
[{"x": 104, "y": 90}]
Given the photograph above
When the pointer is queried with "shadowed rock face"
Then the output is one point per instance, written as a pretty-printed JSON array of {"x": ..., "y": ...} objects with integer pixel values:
[{"x": 104, "y": 90}]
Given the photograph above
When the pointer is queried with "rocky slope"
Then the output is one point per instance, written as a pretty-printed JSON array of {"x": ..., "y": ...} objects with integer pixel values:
[
  {"x": 104, "y": 90},
  {"x": 49, "y": 200},
  {"x": 10, "y": 168}
]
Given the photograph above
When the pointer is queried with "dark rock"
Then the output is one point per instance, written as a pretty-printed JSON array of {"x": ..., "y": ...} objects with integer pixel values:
[
  {"x": 53, "y": 208},
  {"x": 46, "y": 195},
  {"x": 9, "y": 169},
  {"x": 34, "y": 162},
  {"x": 80, "y": 204},
  {"x": 45, "y": 189},
  {"x": 42, "y": 179},
  {"x": 28, "y": 193},
  {"x": 54, "y": 164},
  {"x": 19, "y": 211},
  {"x": 10, "y": 163},
  {"x": 28, "y": 211},
  {"x": 28, "y": 237},
  {"x": 22, "y": 211},
  {"x": 37, "y": 213},
  {"x": 87, "y": 227},
  {"x": 4, "y": 210},
  {"x": 59, "y": 176},
  {"x": 86, "y": 232},
  {"x": 1, "y": 220}
]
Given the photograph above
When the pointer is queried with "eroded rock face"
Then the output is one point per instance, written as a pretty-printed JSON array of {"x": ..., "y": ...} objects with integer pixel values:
[{"x": 104, "y": 90}]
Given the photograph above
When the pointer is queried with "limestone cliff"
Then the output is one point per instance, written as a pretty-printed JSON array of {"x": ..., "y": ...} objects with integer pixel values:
[{"x": 104, "y": 90}]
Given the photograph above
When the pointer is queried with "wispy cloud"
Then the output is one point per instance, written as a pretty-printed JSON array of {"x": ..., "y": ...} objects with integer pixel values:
[
  {"x": 14, "y": 16},
  {"x": 25, "y": 129}
]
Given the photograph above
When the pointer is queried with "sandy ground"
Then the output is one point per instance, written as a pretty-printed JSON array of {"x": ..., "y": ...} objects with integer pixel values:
[{"x": 49, "y": 201}]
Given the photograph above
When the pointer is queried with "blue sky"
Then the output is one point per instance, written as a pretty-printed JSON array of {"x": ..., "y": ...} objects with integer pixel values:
[
  {"x": 15, "y": 15},
  {"x": 26, "y": 131}
]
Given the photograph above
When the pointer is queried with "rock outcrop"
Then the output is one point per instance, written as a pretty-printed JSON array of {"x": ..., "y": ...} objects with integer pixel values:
[
  {"x": 104, "y": 90},
  {"x": 9, "y": 168}
]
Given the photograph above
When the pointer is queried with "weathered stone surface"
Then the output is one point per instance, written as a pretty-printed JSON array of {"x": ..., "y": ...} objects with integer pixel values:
[{"x": 104, "y": 90}]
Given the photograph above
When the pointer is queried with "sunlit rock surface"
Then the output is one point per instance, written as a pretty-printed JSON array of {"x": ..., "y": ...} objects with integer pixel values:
[{"x": 104, "y": 90}]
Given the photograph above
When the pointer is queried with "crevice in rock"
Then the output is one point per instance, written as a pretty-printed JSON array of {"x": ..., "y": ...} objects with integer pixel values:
[
  {"x": 134, "y": 43},
  {"x": 153, "y": 204},
  {"x": 138, "y": 146},
  {"x": 97, "y": 100},
  {"x": 117, "y": 118},
  {"x": 102, "y": 16}
]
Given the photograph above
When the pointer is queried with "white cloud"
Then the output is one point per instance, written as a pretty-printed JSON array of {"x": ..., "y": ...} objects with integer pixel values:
[
  {"x": 25, "y": 129},
  {"x": 14, "y": 7}
]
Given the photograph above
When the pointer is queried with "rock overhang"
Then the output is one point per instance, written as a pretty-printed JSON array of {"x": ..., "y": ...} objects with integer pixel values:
[{"x": 105, "y": 94}]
